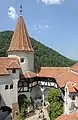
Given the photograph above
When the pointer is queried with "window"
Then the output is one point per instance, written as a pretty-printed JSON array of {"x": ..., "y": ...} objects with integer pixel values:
[
  {"x": 22, "y": 60},
  {"x": 73, "y": 97},
  {"x": 11, "y": 86},
  {"x": 13, "y": 70},
  {"x": 66, "y": 89},
  {"x": 6, "y": 87}
]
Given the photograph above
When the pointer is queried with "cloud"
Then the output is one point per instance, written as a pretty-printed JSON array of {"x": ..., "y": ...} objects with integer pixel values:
[
  {"x": 51, "y": 1},
  {"x": 39, "y": 27},
  {"x": 12, "y": 13}
]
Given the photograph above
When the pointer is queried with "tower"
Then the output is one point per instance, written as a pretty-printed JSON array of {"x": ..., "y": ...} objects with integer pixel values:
[{"x": 21, "y": 47}]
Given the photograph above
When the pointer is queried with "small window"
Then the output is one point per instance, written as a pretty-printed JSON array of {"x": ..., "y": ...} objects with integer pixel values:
[
  {"x": 73, "y": 97},
  {"x": 66, "y": 89},
  {"x": 13, "y": 70},
  {"x": 11, "y": 86},
  {"x": 22, "y": 60},
  {"x": 6, "y": 87}
]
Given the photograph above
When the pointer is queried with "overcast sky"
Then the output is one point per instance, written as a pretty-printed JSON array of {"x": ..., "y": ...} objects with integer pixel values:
[{"x": 52, "y": 22}]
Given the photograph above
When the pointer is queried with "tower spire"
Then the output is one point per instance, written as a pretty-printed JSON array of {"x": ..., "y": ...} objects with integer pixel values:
[
  {"x": 20, "y": 40},
  {"x": 20, "y": 10}
]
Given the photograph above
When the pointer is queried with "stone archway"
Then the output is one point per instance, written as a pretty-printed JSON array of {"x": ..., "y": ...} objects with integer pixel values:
[
  {"x": 36, "y": 92},
  {"x": 36, "y": 96}
]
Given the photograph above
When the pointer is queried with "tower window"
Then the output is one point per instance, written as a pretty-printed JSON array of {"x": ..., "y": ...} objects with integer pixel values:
[
  {"x": 6, "y": 87},
  {"x": 73, "y": 97},
  {"x": 11, "y": 86},
  {"x": 22, "y": 60},
  {"x": 13, "y": 70}
]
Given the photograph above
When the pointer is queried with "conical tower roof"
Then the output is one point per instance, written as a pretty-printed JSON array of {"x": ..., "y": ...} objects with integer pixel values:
[{"x": 20, "y": 40}]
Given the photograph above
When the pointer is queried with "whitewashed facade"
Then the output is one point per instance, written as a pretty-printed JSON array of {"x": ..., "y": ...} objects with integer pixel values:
[
  {"x": 9, "y": 95},
  {"x": 70, "y": 101}
]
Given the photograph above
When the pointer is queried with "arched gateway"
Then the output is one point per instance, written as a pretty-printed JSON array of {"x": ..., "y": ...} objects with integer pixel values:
[{"x": 36, "y": 88}]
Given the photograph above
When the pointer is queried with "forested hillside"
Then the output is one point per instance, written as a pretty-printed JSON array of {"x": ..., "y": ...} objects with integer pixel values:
[{"x": 44, "y": 56}]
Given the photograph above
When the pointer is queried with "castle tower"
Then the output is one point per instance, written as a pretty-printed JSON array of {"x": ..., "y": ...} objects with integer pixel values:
[{"x": 21, "y": 46}]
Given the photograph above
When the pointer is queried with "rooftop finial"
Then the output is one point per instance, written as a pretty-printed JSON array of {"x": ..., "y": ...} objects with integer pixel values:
[{"x": 20, "y": 9}]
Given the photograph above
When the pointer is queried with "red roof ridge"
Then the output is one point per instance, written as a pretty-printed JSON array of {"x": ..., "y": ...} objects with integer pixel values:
[
  {"x": 73, "y": 71},
  {"x": 28, "y": 74},
  {"x": 74, "y": 67},
  {"x": 13, "y": 64}
]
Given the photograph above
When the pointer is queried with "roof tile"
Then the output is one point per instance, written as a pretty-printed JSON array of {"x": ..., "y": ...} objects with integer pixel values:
[
  {"x": 64, "y": 78},
  {"x": 28, "y": 74},
  {"x": 20, "y": 40},
  {"x": 52, "y": 71},
  {"x": 5, "y": 62},
  {"x": 72, "y": 116}
]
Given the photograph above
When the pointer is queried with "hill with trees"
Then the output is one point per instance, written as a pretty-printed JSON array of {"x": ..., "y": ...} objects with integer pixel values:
[{"x": 44, "y": 56}]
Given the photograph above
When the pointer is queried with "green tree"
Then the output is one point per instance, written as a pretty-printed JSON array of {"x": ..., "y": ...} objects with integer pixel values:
[
  {"x": 22, "y": 100},
  {"x": 44, "y": 56},
  {"x": 55, "y": 107},
  {"x": 23, "y": 103}
]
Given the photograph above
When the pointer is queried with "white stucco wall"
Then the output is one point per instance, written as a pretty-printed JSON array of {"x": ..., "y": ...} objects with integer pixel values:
[
  {"x": 28, "y": 64},
  {"x": 10, "y": 95},
  {"x": 68, "y": 101}
]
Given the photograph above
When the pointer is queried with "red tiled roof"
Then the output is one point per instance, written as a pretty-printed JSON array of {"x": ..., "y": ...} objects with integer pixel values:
[
  {"x": 71, "y": 87},
  {"x": 52, "y": 71},
  {"x": 13, "y": 64},
  {"x": 72, "y": 116},
  {"x": 76, "y": 86},
  {"x": 74, "y": 67},
  {"x": 64, "y": 78},
  {"x": 3, "y": 71},
  {"x": 5, "y": 62},
  {"x": 28, "y": 74},
  {"x": 20, "y": 40}
]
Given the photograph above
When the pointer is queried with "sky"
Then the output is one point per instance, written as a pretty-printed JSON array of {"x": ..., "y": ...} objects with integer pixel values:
[{"x": 52, "y": 22}]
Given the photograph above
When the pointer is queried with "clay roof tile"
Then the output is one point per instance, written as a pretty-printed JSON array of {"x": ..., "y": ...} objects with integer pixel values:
[
  {"x": 20, "y": 40},
  {"x": 13, "y": 64},
  {"x": 72, "y": 116},
  {"x": 5, "y": 63}
]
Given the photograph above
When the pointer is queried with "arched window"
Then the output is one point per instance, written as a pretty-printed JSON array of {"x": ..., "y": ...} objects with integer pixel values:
[
  {"x": 11, "y": 86},
  {"x": 6, "y": 87}
]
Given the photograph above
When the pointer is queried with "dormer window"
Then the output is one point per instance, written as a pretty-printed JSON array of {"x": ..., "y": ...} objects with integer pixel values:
[
  {"x": 13, "y": 70},
  {"x": 22, "y": 60}
]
